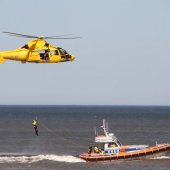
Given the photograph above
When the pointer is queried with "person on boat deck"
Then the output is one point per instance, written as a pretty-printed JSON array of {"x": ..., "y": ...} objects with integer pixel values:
[
  {"x": 96, "y": 149},
  {"x": 89, "y": 151},
  {"x": 102, "y": 151},
  {"x": 35, "y": 126},
  {"x": 112, "y": 145}
]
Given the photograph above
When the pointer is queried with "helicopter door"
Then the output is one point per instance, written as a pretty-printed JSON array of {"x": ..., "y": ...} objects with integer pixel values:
[
  {"x": 41, "y": 52},
  {"x": 44, "y": 54}
]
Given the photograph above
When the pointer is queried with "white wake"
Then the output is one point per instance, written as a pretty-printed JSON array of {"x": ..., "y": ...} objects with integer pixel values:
[
  {"x": 162, "y": 157},
  {"x": 32, "y": 159}
]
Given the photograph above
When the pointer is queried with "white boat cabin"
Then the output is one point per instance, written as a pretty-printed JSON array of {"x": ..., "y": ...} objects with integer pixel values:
[{"x": 110, "y": 143}]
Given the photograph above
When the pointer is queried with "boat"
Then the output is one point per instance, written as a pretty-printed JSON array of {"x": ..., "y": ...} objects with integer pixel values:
[{"x": 111, "y": 149}]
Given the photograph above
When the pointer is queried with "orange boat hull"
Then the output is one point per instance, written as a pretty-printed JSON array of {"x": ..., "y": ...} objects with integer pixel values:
[{"x": 150, "y": 152}]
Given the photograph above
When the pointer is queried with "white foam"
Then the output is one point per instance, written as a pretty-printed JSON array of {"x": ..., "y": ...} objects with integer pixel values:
[
  {"x": 31, "y": 159},
  {"x": 162, "y": 157}
]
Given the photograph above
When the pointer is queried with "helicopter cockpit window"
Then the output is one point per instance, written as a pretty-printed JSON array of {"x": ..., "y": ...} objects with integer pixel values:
[
  {"x": 56, "y": 52},
  {"x": 25, "y": 46},
  {"x": 61, "y": 52},
  {"x": 64, "y": 51}
]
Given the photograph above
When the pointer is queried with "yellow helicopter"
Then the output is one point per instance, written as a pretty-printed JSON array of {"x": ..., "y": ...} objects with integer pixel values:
[{"x": 38, "y": 50}]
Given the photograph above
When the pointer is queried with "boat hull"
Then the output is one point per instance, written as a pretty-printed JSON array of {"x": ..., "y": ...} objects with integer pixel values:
[{"x": 150, "y": 152}]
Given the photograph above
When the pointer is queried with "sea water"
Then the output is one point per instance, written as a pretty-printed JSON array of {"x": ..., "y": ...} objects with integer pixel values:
[{"x": 67, "y": 131}]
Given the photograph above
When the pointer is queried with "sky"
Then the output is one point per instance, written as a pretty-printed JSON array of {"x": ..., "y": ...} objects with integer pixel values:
[{"x": 123, "y": 57}]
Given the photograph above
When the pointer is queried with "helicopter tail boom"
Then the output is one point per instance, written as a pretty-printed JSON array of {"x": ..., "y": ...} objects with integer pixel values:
[{"x": 2, "y": 60}]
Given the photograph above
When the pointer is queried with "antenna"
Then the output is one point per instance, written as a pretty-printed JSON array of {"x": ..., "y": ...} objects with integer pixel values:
[
  {"x": 107, "y": 127},
  {"x": 95, "y": 131},
  {"x": 104, "y": 127},
  {"x": 104, "y": 124}
]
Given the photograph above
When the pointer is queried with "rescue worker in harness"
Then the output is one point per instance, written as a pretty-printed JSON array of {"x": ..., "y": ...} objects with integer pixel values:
[{"x": 35, "y": 126}]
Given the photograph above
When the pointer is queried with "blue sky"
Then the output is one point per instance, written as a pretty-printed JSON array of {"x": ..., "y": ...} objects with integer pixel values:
[{"x": 122, "y": 59}]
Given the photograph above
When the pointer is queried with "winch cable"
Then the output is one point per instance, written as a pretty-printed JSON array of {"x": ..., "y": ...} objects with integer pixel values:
[{"x": 60, "y": 136}]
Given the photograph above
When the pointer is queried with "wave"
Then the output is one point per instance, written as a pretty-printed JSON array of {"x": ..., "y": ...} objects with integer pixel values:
[
  {"x": 37, "y": 158},
  {"x": 162, "y": 157},
  {"x": 18, "y": 158}
]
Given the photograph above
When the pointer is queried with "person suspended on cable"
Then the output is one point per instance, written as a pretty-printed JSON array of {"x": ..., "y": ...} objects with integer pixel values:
[
  {"x": 96, "y": 149},
  {"x": 35, "y": 126},
  {"x": 89, "y": 151}
]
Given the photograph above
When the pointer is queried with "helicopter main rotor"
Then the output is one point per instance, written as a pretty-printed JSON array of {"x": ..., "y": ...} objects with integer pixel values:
[{"x": 64, "y": 36}]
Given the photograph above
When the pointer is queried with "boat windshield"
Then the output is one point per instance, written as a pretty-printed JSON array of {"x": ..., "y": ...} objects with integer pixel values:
[{"x": 118, "y": 142}]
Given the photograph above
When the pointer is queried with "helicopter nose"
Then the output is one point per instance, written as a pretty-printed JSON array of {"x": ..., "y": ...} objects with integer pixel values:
[{"x": 72, "y": 58}]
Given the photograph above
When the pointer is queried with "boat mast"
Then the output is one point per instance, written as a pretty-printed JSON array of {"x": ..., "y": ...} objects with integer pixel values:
[
  {"x": 95, "y": 131},
  {"x": 104, "y": 128}
]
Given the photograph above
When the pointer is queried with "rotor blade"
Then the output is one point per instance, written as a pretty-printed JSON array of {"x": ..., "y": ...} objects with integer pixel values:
[
  {"x": 58, "y": 36},
  {"x": 63, "y": 38},
  {"x": 49, "y": 37},
  {"x": 23, "y": 36},
  {"x": 19, "y": 35}
]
